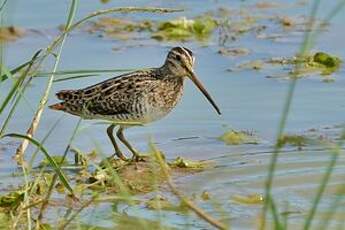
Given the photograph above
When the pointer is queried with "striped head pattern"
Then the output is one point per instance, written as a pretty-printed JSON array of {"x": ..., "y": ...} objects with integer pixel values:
[{"x": 180, "y": 61}]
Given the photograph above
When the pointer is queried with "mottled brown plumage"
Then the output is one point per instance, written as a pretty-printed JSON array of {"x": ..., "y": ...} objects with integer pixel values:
[{"x": 141, "y": 96}]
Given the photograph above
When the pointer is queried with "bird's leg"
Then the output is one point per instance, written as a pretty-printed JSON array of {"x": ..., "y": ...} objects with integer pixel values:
[
  {"x": 118, "y": 152},
  {"x": 136, "y": 156}
]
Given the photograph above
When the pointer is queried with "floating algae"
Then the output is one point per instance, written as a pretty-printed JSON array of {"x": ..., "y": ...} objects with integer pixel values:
[
  {"x": 161, "y": 203},
  {"x": 294, "y": 140},
  {"x": 236, "y": 51},
  {"x": 317, "y": 63},
  {"x": 205, "y": 195},
  {"x": 233, "y": 137},
  {"x": 11, "y": 33},
  {"x": 248, "y": 199},
  {"x": 255, "y": 65},
  {"x": 183, "y": 29},
  {"x": 119, "y": 28},
  {"x": 180, "y": 162}
]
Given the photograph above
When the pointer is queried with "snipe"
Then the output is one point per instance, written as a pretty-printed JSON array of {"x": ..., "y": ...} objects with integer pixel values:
[{"x": 141, "y": 96}]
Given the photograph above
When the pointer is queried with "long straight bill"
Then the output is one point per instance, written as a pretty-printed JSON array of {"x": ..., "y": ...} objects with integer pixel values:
[{"x": 196, "y": 81}]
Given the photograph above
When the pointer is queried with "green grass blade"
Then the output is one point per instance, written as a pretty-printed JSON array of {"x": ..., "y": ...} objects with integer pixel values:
[
  {"x": 51, "y": 160},
  {"x": 44, "y": 99},
  {"x": 333, "y": 207},
  {"x": 277, "y": 224},
  {"x": 72, "y": 11},
  {"x": 50, "y": 131},
  {"x": 320, "y": 191},
  {"x": 12, "y": 92},
  {"x": 3, "y": 5},
  {"x": 305, "y": 46},
  {"x": 81, "y": 74},
  {"x": 129, "y": 123},
  {"x": 83, "y": 71},
  {"x": 18, "y": 83},
  {"x": 74, "y": 77},
  {"x": 10, "y": 73},
  {"x": 5, "y": 73},
  {"x": 335, "y": 155}
]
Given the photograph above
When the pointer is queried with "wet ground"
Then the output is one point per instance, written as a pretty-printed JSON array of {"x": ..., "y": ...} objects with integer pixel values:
[{"x": 248, "y": 99}]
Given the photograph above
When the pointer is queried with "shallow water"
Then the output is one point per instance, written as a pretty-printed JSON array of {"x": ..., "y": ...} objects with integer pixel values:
[{"x": 248, "y": 101}]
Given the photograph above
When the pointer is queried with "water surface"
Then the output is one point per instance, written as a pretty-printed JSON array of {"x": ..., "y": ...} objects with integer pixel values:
[{"x": 248, "y": 101}]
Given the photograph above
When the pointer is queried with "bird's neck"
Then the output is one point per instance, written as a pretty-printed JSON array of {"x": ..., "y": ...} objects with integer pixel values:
[{"x": 169, "y": 71}]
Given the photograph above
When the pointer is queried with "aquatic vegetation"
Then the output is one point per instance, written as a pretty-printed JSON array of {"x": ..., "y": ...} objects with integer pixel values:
[
  {"x": 119, "y": 28},
  {"x": 4, "y": 219},
  {"x": 299, "y": 66},
  {"x": 161, "y": 203},
  {"x": 183, "y": 163},
  {"x": 59, "y": 159},
  {"x": 185, "y": 29},
  {"x": 11, "y": 33},
  {"x": 320, "y": 62},
  {"x": 267, "y": 5},
  {"x": 181, "y": 29},
  {"x": 231, "y": 29},
  {"x": 255, "y": 65},
  {"x": 287, "y": 21},
  {"x": 239, "y": 51},
  {"x": 139, "y": 177},
  {"x": 205, "y": 195},
  {"x": 294, "y": 140},
  {"x": 233, "y": 137},
  {"x": 11, "y": 200},
  {"x": 329, "y": 63},
  {"x": 248, "y": 199}
]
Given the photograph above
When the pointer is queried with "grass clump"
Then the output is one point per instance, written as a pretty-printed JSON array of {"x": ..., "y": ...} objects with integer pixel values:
[
  {"x": 139, "y": 177},
  {"x": 4, "y": 219},
  {"x": 12, "y": 200},
  {"x": 62, "y": 161}
]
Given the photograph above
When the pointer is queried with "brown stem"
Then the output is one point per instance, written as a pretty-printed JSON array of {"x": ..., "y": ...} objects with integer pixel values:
[{"x": 198, "y": 211}]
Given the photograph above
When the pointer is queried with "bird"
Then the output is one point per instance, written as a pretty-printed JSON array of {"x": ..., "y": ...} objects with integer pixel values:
[{"x": 142, "y": 96}]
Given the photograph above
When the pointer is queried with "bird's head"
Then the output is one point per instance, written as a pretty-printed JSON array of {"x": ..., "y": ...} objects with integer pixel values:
[{"x": 180, "y": 61}]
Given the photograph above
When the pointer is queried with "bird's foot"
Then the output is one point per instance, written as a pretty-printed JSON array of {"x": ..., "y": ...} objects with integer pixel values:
[
  {"x": 114, "y": 162},
  {"x": 120, "y": 156},
  {"x": 139, "y": 157}
]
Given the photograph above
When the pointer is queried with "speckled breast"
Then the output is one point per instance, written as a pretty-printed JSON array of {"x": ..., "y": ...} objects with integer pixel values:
[{"x": 162, "y": 99}]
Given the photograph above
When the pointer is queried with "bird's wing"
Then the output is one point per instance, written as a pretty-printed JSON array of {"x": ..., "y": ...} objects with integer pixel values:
[{"x": 117, "y": 96}]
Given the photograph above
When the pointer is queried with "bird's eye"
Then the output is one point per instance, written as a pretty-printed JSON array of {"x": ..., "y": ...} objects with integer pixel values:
[{"x": 178, "y": 57}]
